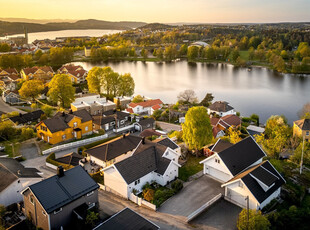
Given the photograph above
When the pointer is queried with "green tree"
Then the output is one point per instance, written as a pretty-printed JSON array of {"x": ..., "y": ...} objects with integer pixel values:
[
  {"x": 59, "y": 56},
  {"x": 207, "y": 100},
  {"x": 305, "y": 111},
  {"x": 209, "y": 53},
  {"x": 61, "y": 90},
  {"x": 4, "y": 47},
  {"x": 7, "y": 131},
  {"x": 183, "y": 50},
  {"x": 48, "y": 110},
  {"x": 160, "y": 53},
  {"x": 31, "y": 89},
  {"x": 252, "y": 219},
  {"x": 298, "y": 152},
  {"x": 94, "y": 78},
  {"x": 91, "y": 218},
  {"x": 254, "y": 117},
  {"x": 27, "y": 133},
  {"x": 235, "y": 54},
  {"x": 144, "y": 53},
  {"x": 197, "y": 130},
  {"x": 132, "y": 52},
  {"x": 170, "y": 52},
  {"x": 234, "y": 135},
  {"x": 137, "y": 99},
  {"x": 192, "y": 53},
  {"x": 127, "y": 85}
]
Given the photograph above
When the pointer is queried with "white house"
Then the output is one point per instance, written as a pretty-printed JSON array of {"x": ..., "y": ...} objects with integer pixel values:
[
  {"x": 244, "y": 174},
  {"x": 14, "y": 179},
  {"x": 149, "y": 162},
  {"x": 221, "y": 108},
  {"x": 145, "y": 107}
]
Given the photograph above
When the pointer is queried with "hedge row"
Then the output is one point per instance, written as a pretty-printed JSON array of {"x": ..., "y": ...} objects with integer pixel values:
[{"x": 51, "y": 159}]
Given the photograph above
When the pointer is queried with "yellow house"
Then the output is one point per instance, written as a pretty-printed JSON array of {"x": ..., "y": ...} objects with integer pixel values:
[
  {"x": 301, "y": 128},
  {"x": 65, "y": 126},
  {"x": 43, "y": 73}
]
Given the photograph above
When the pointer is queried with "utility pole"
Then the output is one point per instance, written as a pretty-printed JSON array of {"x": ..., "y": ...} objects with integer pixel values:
[
  {"x": 302, "y": 154},
  {"x": 248, "y": 212}
]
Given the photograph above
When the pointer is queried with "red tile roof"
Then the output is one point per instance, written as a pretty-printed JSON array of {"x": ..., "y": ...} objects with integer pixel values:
[
  {"x": 149, "y": 103},
  {"x": 232, "y": 120},
  {"x": 74, "y": 70},
  {"x": 155, "y": 107},
  {"x": 129, "y": 110},
  {"x": 214, "y": 121},
  {"x": 32, "y": 70}
]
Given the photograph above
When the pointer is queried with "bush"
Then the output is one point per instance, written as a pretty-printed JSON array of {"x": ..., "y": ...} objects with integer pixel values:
[
  {"x": 177, "y": 186},
  {"x": 27, "y": 133},
  {"x": 51, "y": 159},
  {"x": 98, "y": 177},
  {"x": 148, "y": 194},
  {"x": 246, "y": 119},
  {"x": 161, "y": 196}
]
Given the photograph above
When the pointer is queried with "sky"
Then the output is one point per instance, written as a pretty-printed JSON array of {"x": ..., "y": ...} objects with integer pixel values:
[{"x": 163, "y": 11}]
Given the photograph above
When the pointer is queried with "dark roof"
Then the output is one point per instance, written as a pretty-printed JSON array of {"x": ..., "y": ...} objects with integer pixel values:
[
  {"x": 272, "y": 176},
  {"x": 221, "y": 145},
  {"x": 7, "y": 178},
  {"x": 167, "y": 142},
  {"x": 127, "y": 220},
  {"x": 304, "y": 124},
  {"x": 56, "y": 192},
  {"x": 241, "y": 155},
  {"x": 149, "y": 132},
  {"x": 70, "y": 159},
  {"x": 83, "y": 114},
  {"x": 18, "y": 169},
  {"x": 220, "y": 106},
  {"x": 28, "y": 117},
  {"x": 115, "y": 147},
  {"x": 147, "y": 158},
  {"x": 109, "y": 116},
  {"x": 147, "y": 123},
  {"x": 55, "y": 124},
  {"x": 264, "y": 176}
]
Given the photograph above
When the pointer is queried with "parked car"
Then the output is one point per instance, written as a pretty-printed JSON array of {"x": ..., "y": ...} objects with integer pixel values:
[{"x": 2, "y": 148}]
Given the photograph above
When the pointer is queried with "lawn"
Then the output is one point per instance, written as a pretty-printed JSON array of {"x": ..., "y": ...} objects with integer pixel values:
[
  {"x": 244, "y": 55},
  {"x": 191, "y": 167},
  {"x": 9, "y": 149}
]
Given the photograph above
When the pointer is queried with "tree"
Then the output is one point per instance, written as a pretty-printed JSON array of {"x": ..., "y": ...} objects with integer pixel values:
[
  {"x": 192, "y": 53},
  {"x": 276, "y": 135},
  {"x": 31, "y": 89},
  {"x": 170, "y": 52},
  {"x": 137, "y": 99},
  {"x": 7, "y": 131},
  {"x": 183, "y": 50},
  {"x": 252, "y": 219},
  {"x": 187, "y": 97},
  {"x": 209, "y": 53},
  {"x": 48, "y": 110},
  {"x": 93, "y": 78},
  {"x": 144, "y": 53},
  {"x": 127, "y": 85},
  {"x": 298, "y": 152},
  {"x": 61, "y": 90},
  {"x": 91, "y": 218},
  {"x": 207, "y": 100},
  {"x": 234, "y": 135},
  {"x": 235, "y": 54},
  {"x": 254, "y": 117},
  {"x": 160, "y": 53},
  {"x": 132, "y": 52},
  {"x": 197, "y": 130},
  {"x": 305, "y": 111}
]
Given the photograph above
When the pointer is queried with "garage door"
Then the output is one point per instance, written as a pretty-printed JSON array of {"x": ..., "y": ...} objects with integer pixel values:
[
  {"x": 217, "y": 174},
  {"x": 236, "y": 197}
]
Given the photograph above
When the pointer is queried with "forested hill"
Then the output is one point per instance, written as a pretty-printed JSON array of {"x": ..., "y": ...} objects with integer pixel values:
[{"x": 10, "y": 28}]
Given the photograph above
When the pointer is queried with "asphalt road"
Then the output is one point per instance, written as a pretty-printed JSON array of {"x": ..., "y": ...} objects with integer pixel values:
[
  {"x": 4, "y": 107},
  {"x": 167, "y": 127}
]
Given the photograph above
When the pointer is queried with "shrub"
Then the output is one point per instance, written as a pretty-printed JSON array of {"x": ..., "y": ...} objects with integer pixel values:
[
  {"x": 27, "y": 133},
  {"x": 246, "y": 119},
  {"x": 148, "y": 194},
  {"x": 177, "y": 186},
  {"x": 146, "y": 186},
  {"x": 51, "y": 159},
  {"x": 98, "y": 177},
  {"x": 162, "y": 195}
]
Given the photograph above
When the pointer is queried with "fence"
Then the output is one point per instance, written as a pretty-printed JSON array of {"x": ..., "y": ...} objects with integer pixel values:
[
  {"x": 74, "y": 144},
  {"x": 204, "y": 207},
  {"x": 139, "y": 201},
  {"x": 123, "y": 129}
]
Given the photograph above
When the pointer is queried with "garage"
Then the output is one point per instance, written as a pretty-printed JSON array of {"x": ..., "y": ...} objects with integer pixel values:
[
  {"x": 217, "y": 173},
  {"x": 236, "y": 197}
]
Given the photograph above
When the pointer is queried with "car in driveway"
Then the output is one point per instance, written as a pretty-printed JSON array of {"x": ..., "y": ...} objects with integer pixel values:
[{"x": 2, "y": 148}]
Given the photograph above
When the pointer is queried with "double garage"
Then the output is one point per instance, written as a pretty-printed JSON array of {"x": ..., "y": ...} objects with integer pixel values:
[{"x": 217, "y": 174}]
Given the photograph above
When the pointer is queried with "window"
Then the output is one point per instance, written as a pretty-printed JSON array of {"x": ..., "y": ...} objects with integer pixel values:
[
  {"x": 31, "y": 199},
  {"x": 57, "y": 210},
  {"x": 89, "y": 194},
  {"x": 74, "y": 124},
  {"x": 137, "y": 182},
  {"x": 86, "y": 128},
  {"x": 64, "y": 137},
  {"x": 217, "y": 160},
  {"x": 307, "y": 133}
]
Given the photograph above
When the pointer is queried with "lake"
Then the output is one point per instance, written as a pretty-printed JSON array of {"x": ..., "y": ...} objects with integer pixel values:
[
  {"x": 259, "y": 91},
  {"x": 66, "y": 33}
]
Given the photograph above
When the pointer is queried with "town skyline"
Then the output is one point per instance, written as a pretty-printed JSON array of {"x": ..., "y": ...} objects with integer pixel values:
[{"x": 222, "y": 11}]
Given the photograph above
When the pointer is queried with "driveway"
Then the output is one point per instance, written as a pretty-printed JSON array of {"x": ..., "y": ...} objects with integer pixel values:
[
  {"x": 167, "y": 127},
  {"x": 192, "y": 197},
  {"x": 29, "y": 150},
  {"x": 222, "y": 215},
  {"x": 4, "y": 107}
]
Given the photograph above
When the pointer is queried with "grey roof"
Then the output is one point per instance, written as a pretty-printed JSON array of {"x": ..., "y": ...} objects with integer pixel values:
[
  {"x": 55, "y": 124},
  {"x": 147, "y": 123},
  {"x": 241, "y": 155},
  {"x": 272, "y": 176},
  {"x": 127, "y": 220},
  {"x": 70, "y": 159},
  {"x": 83, "y": 114},
  {"x": 7, "y": 178},
  {"x": 147, "y": 158},
  {"x": 18, "y": 169},
  {"x": 221, "y": 145},
  {"x": 28, "y": 117},
  {"x": 115, "y": 148},
  {"x": 56, "y": 192},
  {"x": 168, "y": 142},
  {"x": 220, "y": 106}
]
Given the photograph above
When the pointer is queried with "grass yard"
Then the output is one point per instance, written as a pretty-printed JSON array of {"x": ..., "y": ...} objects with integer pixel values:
[
  {"x": 9, "y": 149},
  {"x": 244, "y": 55},
  {"x": 191, "y": 167}
]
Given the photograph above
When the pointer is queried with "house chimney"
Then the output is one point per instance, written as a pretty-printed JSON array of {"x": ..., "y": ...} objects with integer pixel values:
[
  {"x": 60, "y": 171},
  {"x": 70, "y": 111},
  {"x": 124, "y": 135},
  {"x": 143, "y": 140}
]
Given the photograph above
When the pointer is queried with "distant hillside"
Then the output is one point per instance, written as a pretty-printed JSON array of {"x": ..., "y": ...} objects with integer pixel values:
[
  {"x": 155, "y": 26},
  {"x": 10, "y": 28},
  {"x": 40, "y": 21}
]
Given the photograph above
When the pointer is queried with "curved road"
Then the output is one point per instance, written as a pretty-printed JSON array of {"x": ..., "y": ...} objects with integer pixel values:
[{"x": 5, "y": 108}]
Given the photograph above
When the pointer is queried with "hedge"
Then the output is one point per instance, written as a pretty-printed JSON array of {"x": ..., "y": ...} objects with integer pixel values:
[
  {"x": 98, "y": 177},
  {"x": 51, "y": 159}
]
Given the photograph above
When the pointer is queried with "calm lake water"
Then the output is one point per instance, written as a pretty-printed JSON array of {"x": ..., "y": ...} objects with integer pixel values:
[
  {"x": 66, "y": 33},
  {"x": 260, "y": 91}
]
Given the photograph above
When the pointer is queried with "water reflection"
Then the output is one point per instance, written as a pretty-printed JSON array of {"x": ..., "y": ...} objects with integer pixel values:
[{"x": 260, "y": 91}]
